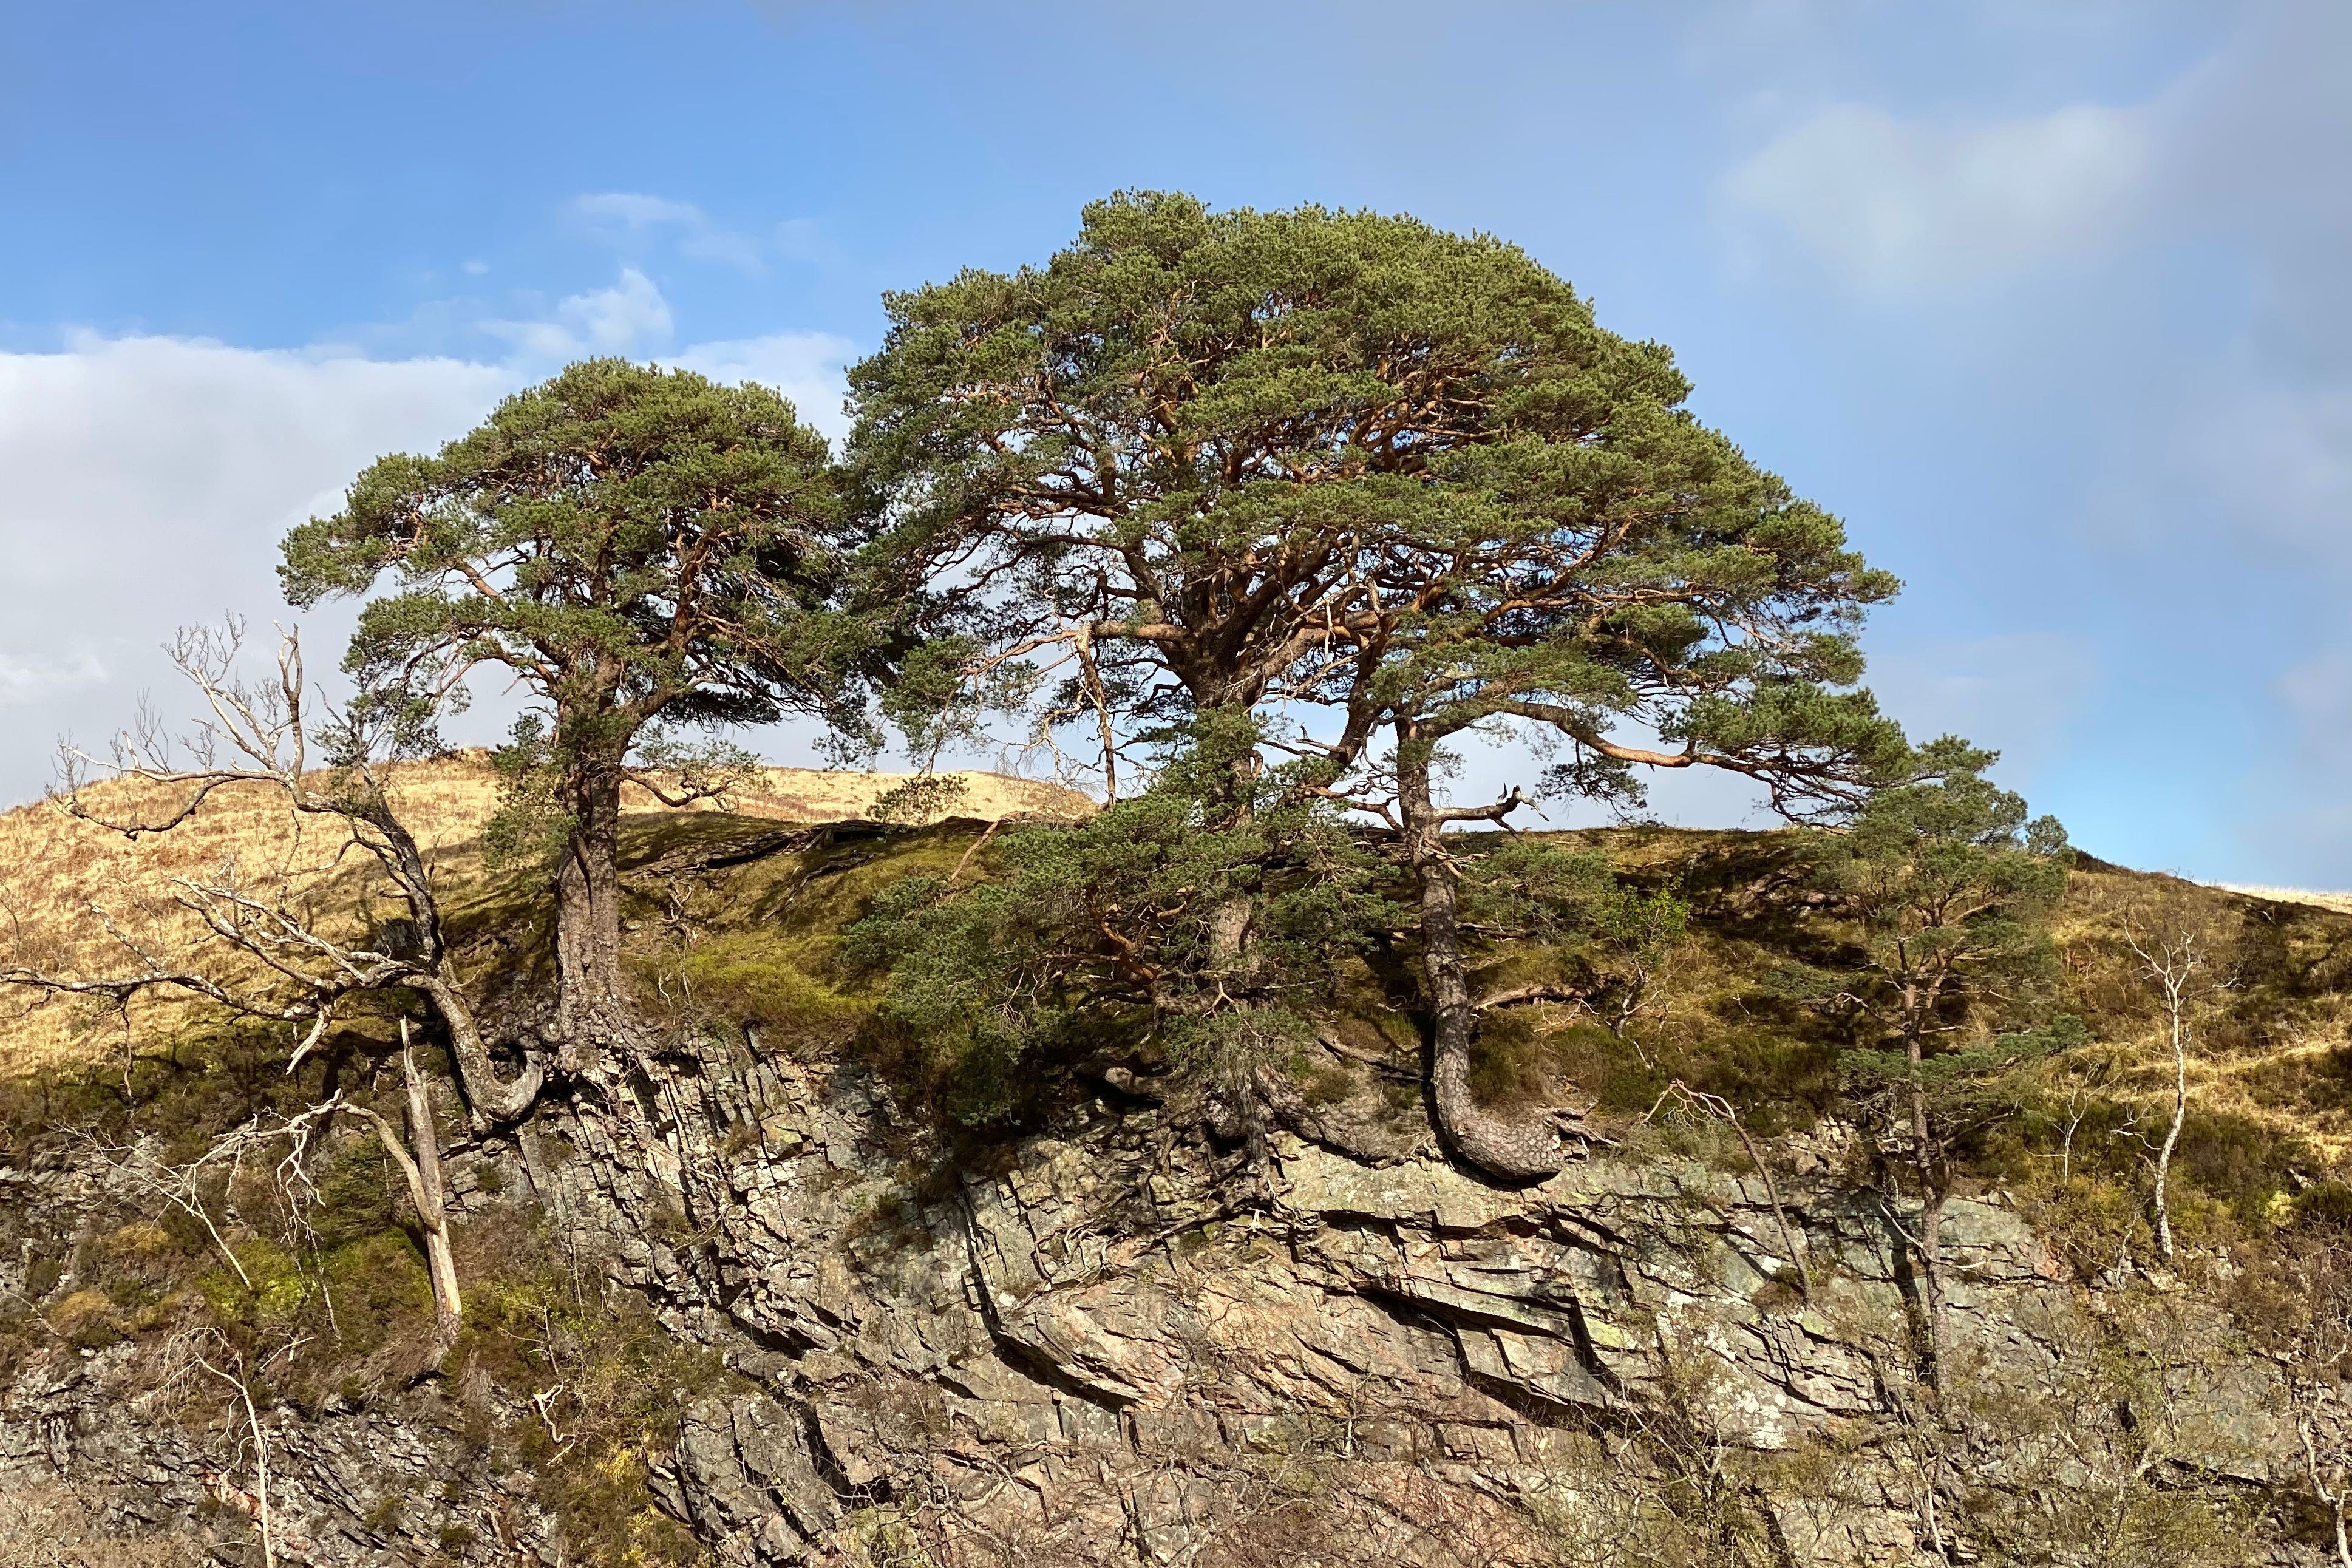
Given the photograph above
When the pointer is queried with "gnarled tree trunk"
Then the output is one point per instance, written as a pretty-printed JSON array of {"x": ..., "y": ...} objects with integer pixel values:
[
  {"x": 590, "y": 1010},
  {"x": 1513, "y": 1150},
  {"x": 500, "y": 1100}
]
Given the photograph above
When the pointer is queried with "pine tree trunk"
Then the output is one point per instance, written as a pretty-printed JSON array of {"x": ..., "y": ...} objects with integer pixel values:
[
  {"x": 500, "y": 1101},
  {"x": 1932, "y": 1192},
  {"x": 1513, "y": 1150},
  {"x": 590, "y": 1010}
]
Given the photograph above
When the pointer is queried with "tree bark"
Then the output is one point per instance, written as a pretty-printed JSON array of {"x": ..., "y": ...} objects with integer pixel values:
[
  {"x": 500, "y": 1100},
  {"x": 590, "y": 1008},
  {"x": 432, "y": 1207},
  {"x": 1933, "y": 1190},
  {"x": 422, "y": 1170},
  {"x": 1515, "y": 1151},
  {"x": 402, "y": 856}
]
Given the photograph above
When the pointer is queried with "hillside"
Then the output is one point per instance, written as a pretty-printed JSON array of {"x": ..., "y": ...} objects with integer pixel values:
[
  {"x": 57, "y": 871},
  {"x": 767, "y": 1298}
]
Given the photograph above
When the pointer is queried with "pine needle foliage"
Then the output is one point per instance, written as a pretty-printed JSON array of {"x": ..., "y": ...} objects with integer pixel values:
[
  {"x": 1953, "y": 890},
  {"x": 1109, "y": 935}
]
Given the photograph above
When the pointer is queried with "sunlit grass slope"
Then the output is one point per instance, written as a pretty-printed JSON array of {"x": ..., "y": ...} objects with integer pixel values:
[
  {"x": 64, "y": 882},
  {"x": 730, "y": 923}
]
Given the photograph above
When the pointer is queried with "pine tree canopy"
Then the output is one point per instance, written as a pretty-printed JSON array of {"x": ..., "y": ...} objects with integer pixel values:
[
  {"x": 634, "y": 544},
  {"x": 1203, "y": 459}
]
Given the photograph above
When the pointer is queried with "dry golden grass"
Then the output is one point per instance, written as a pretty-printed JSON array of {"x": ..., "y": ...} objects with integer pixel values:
[
  {"x": 2341, "y": 903},
  {"x": 63, "y": 880},
  {"x": 2271, "y": 1048}
]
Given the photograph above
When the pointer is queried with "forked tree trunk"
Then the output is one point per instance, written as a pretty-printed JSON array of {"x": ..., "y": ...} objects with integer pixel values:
[
  {"x": 1515, "y": 1151},
  {"x": 484, "y": 1091},
  {"x": 422, "y": 1170},
  {"x": 433, "y": 1205}
]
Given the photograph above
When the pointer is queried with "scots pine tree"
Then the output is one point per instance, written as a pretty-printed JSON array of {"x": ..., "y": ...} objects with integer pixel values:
[
  {"x": 1951, "y": 888},
  {"x": 1354, "y": 477},
  {"x": 640, "y": 550}
]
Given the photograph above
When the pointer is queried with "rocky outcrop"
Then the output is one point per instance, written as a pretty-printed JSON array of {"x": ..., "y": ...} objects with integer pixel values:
[{"x": 1121, "y": 1345}]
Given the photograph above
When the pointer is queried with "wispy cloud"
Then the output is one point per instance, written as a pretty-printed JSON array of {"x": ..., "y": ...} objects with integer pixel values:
[
  {"x": 809, "y": 368},
  {"x": 629, "y": 317},
  {"x": 27, "y": 680},
  {"x": 699, "y": 236},
  {"x": 1898, "y": 205},
  {"x": 150, "y": 480}
]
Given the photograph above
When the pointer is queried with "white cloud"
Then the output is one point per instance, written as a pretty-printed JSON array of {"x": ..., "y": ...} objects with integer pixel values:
[
  {"x": 629, "y": 317},
  {"x": 1901, "y": 206},
  {"x": 806, "y": 367},
  {"x": 617, "y": 320},
  {"x": 24, "y": 681},
  {"x": 150, "y": 480},
  {"x": 698, "y": 235}
]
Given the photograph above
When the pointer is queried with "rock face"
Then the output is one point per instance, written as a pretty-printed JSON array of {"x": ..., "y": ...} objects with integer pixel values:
[{"x": 1126, "y": 1347}]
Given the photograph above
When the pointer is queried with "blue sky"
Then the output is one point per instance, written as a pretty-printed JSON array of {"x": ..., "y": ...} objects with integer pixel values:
[{"x": 2048, "y": 300}]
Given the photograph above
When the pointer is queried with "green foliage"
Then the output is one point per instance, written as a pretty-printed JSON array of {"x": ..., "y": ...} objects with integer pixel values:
[
  {"x": 1119, "y": 931},
  {"x": 1641, "y": 926},
  {"x": 1526, "y": 887},
  {"x": 1533, "y": 891},
  {"x": 531, "y": 823},
  {"x": 1222, "y": 459},
  {"x": 1952, "y": 891},
  {"x": 922, "y": 799},
  {"x": 1950, "y": 882},
  {"x": 1964, "y": 1083},
  {"x": 630, "y": 542},
  {"x": 641, "y": 550}
]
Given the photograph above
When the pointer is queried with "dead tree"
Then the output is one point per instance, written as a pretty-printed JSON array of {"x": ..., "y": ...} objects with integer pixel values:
[
  {"x": 422, "y": 1171},
  {"x": 2172, "y": 944},
  {"x": 297, "y": 971},
  {"x": 256, "y": 1503},
  {"x": 418, "y": 1159},
  {"x": 417, "y": 1154}
]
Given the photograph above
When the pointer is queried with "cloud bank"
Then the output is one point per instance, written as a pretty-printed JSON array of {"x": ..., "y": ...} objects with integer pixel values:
[{"x": 151, "y": 478}]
